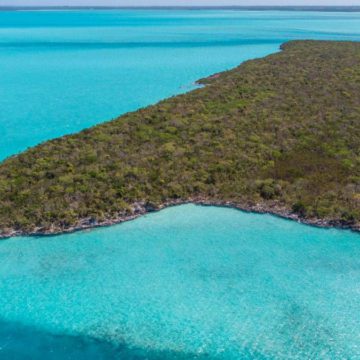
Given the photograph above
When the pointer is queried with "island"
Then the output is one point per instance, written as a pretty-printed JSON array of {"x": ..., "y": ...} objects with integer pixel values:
[{"x": 279, "y": 134}]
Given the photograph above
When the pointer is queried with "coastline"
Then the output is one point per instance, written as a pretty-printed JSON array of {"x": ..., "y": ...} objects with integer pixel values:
[
  {"x": 136, "y": 208},
  {"x": 141, "y": 209}
]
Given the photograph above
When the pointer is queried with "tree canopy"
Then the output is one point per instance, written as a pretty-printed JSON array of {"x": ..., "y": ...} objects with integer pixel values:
[{"x": 279, "y": 131}]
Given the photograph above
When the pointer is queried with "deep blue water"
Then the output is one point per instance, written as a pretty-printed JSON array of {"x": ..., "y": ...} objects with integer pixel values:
[
  {"x": 62, "y": 71},
  {"x": 189, "y": 281}
]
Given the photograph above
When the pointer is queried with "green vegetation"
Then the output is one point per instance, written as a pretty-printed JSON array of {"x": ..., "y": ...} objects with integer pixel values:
[{"x": 280, "y": 131}]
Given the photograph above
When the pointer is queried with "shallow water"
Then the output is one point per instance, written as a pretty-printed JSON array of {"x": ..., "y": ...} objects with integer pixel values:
[
  {"x": 185, "y": 282},
  {"x": 63, "y": 71}
]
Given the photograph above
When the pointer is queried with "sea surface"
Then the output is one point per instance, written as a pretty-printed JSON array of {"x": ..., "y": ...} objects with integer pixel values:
[
  {"x": 188, "y": 282},
  {"x": 63, "y": 71}
]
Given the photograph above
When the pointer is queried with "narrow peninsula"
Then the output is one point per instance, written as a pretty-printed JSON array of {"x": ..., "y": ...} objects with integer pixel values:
[{"x": 279, "y": 134}]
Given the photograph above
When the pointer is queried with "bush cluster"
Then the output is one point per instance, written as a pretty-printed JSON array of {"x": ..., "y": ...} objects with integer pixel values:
[{"x": 283, "y": 129}]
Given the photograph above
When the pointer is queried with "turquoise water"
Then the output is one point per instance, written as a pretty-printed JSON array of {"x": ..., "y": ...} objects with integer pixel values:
[
  {"x": 187, "y": 282},
  {"x": 63, "y": 71}
]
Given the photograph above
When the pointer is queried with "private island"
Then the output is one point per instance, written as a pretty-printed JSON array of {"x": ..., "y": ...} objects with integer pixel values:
[{"x": 279, "y": 134}]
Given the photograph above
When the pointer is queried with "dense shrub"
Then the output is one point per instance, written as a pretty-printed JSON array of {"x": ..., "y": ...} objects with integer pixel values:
[{"x": 279, "y": 130}]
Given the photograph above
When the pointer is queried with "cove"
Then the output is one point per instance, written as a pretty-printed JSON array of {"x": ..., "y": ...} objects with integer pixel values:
[
  {"x": 63, "y": 71},
  {"x": 186, "y": 282}
]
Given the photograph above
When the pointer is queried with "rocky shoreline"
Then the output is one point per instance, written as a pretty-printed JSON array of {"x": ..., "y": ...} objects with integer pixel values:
[
  {"x": 141, "y": 208},
  {"x": 251, "y": 140}
]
